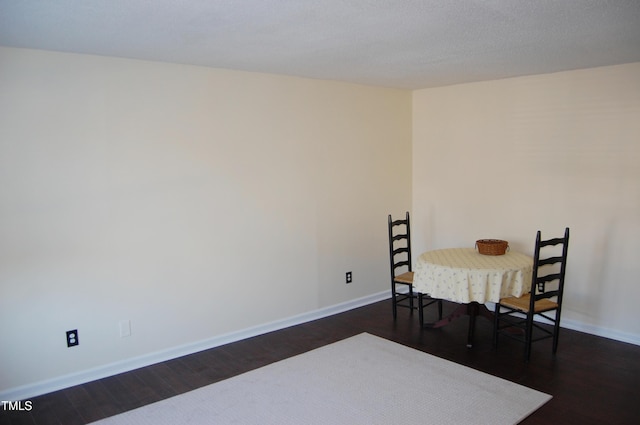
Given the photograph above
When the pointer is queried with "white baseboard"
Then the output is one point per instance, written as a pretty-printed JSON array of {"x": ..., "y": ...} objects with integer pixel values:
[
  {"x": 600, "y": 331},
  {"x": 44, "y": 387}
]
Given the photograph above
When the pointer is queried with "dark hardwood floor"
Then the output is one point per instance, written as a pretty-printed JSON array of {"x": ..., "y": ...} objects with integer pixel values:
[{"x": 593, "y": 380}]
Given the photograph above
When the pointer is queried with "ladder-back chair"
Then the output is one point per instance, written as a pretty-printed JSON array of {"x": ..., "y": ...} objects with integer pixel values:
[
  {"x": 401, "y": 270},
  {"x": 544, "y": 298}
]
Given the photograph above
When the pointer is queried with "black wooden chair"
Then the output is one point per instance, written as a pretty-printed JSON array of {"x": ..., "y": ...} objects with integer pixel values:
[
  {"x": 545, "y": 298},
  {"x": 400, "y": 258}
]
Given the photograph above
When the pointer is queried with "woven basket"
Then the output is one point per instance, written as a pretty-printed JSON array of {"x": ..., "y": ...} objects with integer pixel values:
[{"x": 492, "y": 246}]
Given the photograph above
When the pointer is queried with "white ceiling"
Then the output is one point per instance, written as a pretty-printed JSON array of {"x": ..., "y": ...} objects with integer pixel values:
[{"x": 393, "y": 43}]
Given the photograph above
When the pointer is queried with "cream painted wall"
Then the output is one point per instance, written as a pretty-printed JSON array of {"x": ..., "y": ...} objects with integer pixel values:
[
  {"x": 193, "y": 202},
  {"x": 503, "y": 159}
]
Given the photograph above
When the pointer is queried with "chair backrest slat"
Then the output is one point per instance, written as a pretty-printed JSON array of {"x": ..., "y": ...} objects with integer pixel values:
[
  {"x": 548, "y": 294},
  {"x": 400, "y": 250},
  {"x": 554, "y": 241},
  {"x": 550, "y": 260},
  {"x": 399, "y": 222},
  {"x": 399, "y": 237}
]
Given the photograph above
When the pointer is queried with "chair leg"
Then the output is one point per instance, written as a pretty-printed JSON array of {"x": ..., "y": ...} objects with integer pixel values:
[
  {"x": 528, "y": 337},
  {"x": 556, "y": 333},
  {"x": 411, "y": 298},
  {"x": 420, "y": 309},
  {"x": 555, "y": 342},
  {"x": 393, "y": 301},
  {"x": 496, "y": 323}
]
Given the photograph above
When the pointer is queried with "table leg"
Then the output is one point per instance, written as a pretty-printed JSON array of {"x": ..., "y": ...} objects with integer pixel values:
[
  {"x": 473, "y": 309},
  {"x": 460, "y": 311}
]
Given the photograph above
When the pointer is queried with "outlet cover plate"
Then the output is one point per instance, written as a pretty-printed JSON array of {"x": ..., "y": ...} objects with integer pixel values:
[{"x": 72, "y": 338}]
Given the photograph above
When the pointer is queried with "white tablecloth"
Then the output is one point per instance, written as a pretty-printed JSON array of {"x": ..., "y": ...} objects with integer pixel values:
[{"x": 463, "y": 275}]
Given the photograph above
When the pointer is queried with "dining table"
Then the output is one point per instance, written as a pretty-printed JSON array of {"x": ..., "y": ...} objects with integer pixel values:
[{"x": 471, "y": 279}]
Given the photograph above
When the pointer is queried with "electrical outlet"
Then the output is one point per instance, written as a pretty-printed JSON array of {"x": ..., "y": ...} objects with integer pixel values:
[
  {"x": 72, "y": 338},
  {"x": 349, "y": 277}
]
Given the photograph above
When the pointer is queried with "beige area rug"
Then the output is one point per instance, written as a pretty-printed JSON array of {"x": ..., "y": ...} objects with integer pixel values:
[{"x": 360, "y": 380}]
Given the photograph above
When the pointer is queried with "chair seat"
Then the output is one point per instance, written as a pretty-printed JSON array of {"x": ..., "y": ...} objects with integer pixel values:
[
  {"x": 522, "y": 304},
  {"x": 406, "y": 277}
]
